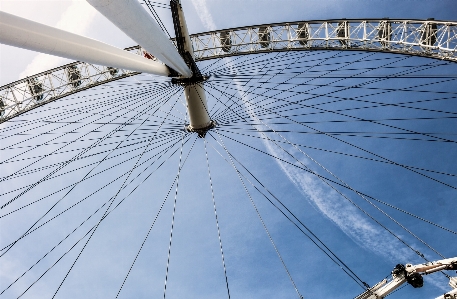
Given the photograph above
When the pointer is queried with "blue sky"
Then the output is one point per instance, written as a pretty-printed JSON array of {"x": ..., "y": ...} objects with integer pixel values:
[{"x": 252, "y": 265}]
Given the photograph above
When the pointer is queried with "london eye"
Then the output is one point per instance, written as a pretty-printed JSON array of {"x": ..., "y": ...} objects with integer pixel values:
[{"x": 275, "y": 155}]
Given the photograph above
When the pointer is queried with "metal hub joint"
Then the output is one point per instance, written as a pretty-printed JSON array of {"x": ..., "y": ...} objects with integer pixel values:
[
  {"x": 195, "y": 95},
  {"x": 189, "y": 81},
  {"x": 201, "y": 131}
]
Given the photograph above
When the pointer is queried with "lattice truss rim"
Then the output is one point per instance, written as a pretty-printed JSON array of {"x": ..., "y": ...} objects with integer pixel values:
[
  {"x": 434, "y": 39},
  {"x": 428, "y": 38}
]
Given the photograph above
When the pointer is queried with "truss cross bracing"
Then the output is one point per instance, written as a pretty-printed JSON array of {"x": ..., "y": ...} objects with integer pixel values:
[
  {"x": 429, "y": 38},
  {"x": 435, "y": 39}
]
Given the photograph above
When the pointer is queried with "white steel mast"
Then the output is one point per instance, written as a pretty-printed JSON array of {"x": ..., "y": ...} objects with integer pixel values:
[
  {"x": 133, "y": 20},
  {"x": 197, "y": 107},
  {"x": 22, "y": 33}
]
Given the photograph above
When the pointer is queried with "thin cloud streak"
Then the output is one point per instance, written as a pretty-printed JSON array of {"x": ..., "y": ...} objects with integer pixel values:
[
  {"x": 341, "y": 212},
  {"x": 76, "y": 19},
  {"x": 346, "y": 216},
  {"x": 329, "y": 203},
  {"x": 203, "y": 13}
]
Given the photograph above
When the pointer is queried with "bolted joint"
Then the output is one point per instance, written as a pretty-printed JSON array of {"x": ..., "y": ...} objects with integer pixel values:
[
  {"x": 173, "y": 73},
  {"x": 201, "y": 131},
  {"x": 196, "y": 78},
  {"x": 189, "y": 81}
]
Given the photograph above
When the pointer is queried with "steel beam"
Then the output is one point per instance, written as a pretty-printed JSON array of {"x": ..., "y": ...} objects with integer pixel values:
[
  {"x": 133, "y": 20},
  {"x": 197, "y": 106},
  {"x": 428, "y": 38},
  {"x": 29, "y": 93},
  {"x": 409, "y": 37},
  {"x": 23, "y": 33}
]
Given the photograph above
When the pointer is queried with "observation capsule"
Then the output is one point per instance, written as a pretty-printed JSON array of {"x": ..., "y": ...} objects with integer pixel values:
[
  {"x": 342, "y": 33},
  {"x": 73, "y": 75},
  {"x": 303, "y": 33},
  {"x": 385, "y": 33},
  {"x": 36, "y": 89},
  {"x": 264, "y": 36},
  {"x": 2, "y": 107},
  {"x": 226, "y": 41},
  {"x": 112, "y": 71}
]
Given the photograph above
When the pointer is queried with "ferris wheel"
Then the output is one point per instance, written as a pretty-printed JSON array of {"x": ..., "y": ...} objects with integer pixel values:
[{"x": 302, "y": 159}]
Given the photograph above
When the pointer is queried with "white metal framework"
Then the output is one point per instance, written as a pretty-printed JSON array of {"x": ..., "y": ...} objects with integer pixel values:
[
  {"x": 26, "y": 94},
  {"x": 134, "y": 21},
  {"x": 425, "y": 38},
  {"x": 429, "y": 38},
  {"x": 412, "y": 274}
]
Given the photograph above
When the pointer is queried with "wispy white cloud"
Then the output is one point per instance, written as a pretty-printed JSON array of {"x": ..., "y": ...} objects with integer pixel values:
[
  {"x": 203, "y": 13},
  {"x": 345, "y": 215},
  {"x": 340, "y": 211},
  {"x": 332, "y": 205},
  {"x": 76, "y": 19}
]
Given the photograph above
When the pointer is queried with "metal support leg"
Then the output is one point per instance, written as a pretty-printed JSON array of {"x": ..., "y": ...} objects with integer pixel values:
[
  {"x": 197, "y": 107},
  {"x": 22, "y": 33}
]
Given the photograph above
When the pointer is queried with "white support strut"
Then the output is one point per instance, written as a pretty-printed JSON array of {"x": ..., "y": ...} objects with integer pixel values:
[
  {"x": 413, "y": 275},
  {"x": 197, "y": 106},
  {"x": 133, "y": 20},
  {"x": 19, "y": 32}
]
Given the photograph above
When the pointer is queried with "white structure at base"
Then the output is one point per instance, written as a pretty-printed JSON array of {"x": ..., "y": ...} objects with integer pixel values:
[
  {"x": 452, "y": 294},
  {"x": 384, "y": 288},
  {"x": 133, "y": 20},
  {"x": 197, "y": 107},
  {"x": 19, "y": 32}
]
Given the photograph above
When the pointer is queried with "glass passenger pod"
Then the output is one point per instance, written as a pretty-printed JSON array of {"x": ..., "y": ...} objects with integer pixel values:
[
  {"x": 2, "y": 108},
  {"x": 264, "y": 36},
  {"x": 385, "y": 33},
  {"x": 428, "y": 36},
  {"x": 226, "y": 41},
  {"x": 73, "y": 75},
  {"x": 36, "y": 89},
  {"x": 342, "y": 32},
  {"x": 112, "y": 71},
  {"x": 303, "y": 34}
]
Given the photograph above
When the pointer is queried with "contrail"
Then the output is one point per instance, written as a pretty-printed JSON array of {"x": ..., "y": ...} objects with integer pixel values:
[{"x": 341, "y": 212}]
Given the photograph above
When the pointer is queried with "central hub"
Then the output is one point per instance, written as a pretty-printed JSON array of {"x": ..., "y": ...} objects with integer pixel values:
[
  {"x": 195, "y": 79},
  {"x": 202, "y": 131},
  {"x": 197, "y": 108}
]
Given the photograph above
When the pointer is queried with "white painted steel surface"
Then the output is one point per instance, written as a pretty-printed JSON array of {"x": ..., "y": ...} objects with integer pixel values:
[
  {"x": 407, "y": 37},
  {"x": 133, "y": 20},
  {"x": 197, "y": 107},
  {"x": 43, "y": 88},
  {"x": 428, "y": 38},
  {"x": 383, "y": 289},
  {"x": 22, "y": 33},
  {"x": 185, "y": 32}
]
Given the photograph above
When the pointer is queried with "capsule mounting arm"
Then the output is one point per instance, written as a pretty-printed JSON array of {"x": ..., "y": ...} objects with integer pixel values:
[{"x": 413, "y": 275}]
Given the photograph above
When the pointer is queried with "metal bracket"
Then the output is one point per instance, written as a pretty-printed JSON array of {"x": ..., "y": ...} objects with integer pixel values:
[
  {"x": 197, "y": 77},
  {"x": 202, "y": 131}
]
